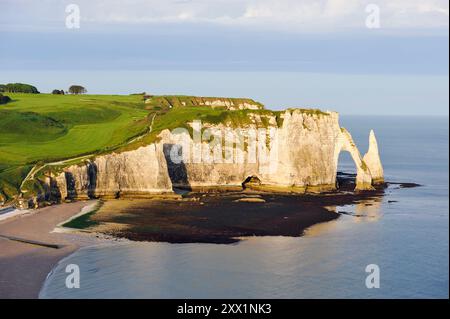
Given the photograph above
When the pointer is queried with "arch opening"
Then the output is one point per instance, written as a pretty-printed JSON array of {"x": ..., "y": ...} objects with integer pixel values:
[
  {"x": 346, "y": 172},
  {"x": 251, "y": 182},
  {"x": 363, "y": 175}
]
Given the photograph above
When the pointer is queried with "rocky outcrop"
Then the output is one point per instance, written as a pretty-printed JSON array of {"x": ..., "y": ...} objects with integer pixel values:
[
  {"x": 363, "y": 174},
  {"x": 373, "y": 161},
  {"x": 301, "y": 156}
]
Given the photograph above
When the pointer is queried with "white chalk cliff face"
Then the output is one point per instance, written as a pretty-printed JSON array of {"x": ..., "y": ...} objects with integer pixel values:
[
  {"x": 304, "y": 158},
  {"x": 373, "y": 161}
]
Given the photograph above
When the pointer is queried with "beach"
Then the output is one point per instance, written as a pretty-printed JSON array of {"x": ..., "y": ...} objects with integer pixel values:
[{"x": 23, "y": 265}]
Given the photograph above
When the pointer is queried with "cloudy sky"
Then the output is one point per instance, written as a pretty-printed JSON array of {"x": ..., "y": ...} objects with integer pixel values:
[
  {"x": 301, "y": 51},
  {"x": 303, "y": 16}
]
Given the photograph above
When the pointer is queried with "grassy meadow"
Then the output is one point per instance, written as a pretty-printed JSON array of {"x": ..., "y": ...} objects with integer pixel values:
[{"x": 37, "y": 128}]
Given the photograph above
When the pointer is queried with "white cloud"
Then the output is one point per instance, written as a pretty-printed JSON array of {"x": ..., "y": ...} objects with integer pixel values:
[{"x": 292, "y": 15}]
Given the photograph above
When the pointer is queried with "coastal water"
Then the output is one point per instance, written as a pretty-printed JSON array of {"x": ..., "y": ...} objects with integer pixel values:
[{"x": 406, "y": 234}]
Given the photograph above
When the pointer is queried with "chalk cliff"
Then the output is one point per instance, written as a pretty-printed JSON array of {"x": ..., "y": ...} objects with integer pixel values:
[
  {"x": 373, "y": 161},
  {"x": 301, "y": 156}
]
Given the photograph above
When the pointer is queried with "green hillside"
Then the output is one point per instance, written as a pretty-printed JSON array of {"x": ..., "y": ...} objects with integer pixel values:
[{"x": 43, "y": 128}]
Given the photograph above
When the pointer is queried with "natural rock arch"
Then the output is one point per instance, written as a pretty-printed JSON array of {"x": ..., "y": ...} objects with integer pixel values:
[{"x": 364, "y": 179}]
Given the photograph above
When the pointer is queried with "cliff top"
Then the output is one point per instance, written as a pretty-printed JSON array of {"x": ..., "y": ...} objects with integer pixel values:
[
  {"x": 166, "y": 102},
  {"x": 179, "y": 111},
  {"x": 175, "y": 101}
]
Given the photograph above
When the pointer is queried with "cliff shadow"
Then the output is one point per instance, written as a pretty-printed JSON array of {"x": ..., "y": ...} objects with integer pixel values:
[
  {"x": 92, "y": 174},
  {"x": 177, "y": 171},
  {"x": 71, "y": 187},
  {"x": 54, "y": 192}
]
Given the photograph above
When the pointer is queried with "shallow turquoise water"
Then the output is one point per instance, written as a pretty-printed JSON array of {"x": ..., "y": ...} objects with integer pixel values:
[{"x": 406, "y": 234}]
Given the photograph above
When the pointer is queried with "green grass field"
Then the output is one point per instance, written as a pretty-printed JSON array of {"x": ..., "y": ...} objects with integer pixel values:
[{"x": 44, "y": 127}]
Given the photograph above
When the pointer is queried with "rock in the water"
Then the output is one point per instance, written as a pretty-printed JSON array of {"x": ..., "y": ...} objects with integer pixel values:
[{"x": 373, "y": 161}]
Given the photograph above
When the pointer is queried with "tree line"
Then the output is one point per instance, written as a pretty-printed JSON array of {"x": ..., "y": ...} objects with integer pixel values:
[
  {"x": 28, "y": 88},
  {"x": 18, "y": 88},
  {"x": 73, "y": 89}
]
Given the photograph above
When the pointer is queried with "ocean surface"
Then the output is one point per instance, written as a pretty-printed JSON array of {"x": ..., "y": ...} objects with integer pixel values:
[{"x": 406, "y": 235}]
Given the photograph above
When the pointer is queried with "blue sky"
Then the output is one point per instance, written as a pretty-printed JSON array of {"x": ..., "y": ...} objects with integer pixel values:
[{"x": 283, "y": 53}]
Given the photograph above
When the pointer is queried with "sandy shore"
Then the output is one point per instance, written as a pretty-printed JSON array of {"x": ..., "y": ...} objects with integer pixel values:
[{"x": 24, "y": 266}]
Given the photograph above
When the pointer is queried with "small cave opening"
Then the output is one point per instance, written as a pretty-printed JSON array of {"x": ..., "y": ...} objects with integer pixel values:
[{"x": 250, "y": 182}]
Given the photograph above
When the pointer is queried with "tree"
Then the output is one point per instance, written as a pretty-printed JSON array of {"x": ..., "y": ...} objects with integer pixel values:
[
  {"x": 58, "y": 92},
  {"x": 18, "y": 88},
  {"x": 77, "y": 89},
  {"x": 4, "y": 99}
]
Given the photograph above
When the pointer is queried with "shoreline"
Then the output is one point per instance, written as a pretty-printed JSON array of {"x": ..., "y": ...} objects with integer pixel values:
[
  {"x": 29, "y": 249},
  {"x": 222, "y": 217},
  {"x": 34, "y": 243}
]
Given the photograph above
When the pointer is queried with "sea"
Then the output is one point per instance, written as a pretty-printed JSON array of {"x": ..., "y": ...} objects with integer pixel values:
[{"x": 397, "y": 247}]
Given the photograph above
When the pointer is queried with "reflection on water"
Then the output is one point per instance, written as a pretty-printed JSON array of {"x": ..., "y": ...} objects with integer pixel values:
[{"x": 368, "y": 210}]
